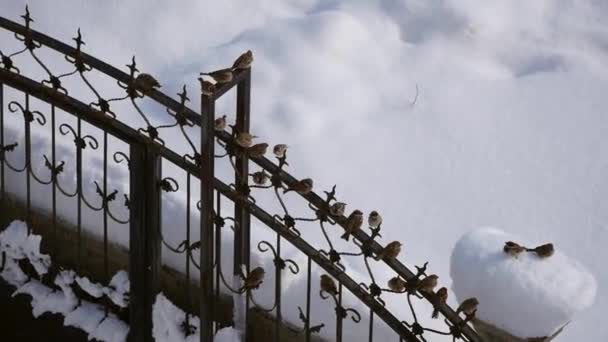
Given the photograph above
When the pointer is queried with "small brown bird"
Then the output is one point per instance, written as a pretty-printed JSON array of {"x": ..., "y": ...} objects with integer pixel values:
[
  {"x": 427, "y": 284},
  {"x": 257, "y": 150},
  {"x": 260, "y": 178},
  {"x": 220, "y": 76},
  {"x": 220, "y": 123},
  {"x": 146, "y": 82},
  {"x": 254, "y": 279},
  {"x": 468, "y": 306},
  {"x": 303, "y": 186},
  {"x": 244, "y": 61},
  {"x": 513, "y": 249},
  {"x": 245, "y": 139},
  {"x": 390, "y": 251},
  {"x": 353, "y": 223},
  {"x": 396, "y": 284},
  {"x": 207, "y": 88},
  {"x": 543, "y": 251},
  {"x": 374, "y": 220},
  {"x": 337, "y": 209},
  {"x": 279, "y": 150},
  {"x": 442, "y": 298},
  {"x": 328, "y": 285}
]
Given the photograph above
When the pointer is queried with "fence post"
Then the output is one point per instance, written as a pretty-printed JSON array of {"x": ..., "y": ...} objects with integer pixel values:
[
  {"x": 241, "y": 214},
  {"x": 206, "y": 229},
  {"x": 144, "y": 240}
]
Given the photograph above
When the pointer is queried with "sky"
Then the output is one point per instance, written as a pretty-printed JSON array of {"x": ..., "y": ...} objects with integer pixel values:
[{"x": 508, "y": 128}]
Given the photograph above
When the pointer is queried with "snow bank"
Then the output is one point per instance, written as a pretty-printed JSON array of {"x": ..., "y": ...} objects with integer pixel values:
[
  {"x": 169, "y": 320},
  {"x": 526, "y": 296},
  {"x": 90, "y": 317}
]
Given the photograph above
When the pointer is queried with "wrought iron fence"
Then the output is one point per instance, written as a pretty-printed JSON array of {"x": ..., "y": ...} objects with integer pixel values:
[{"x": 148, "y": 147}]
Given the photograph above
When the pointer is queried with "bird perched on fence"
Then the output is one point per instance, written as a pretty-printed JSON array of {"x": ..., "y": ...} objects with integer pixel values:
[
  {"x": 220, "y": 123},
  {"x": 245, "y": 139},
  {"x": 279, "y": 150},
  {"x": 442, "y": 298},
  {"x": 513, "y": 249},
  {"x": 257, "y": 150},
  {"x": 391, "y": 251},
  {"x": 468, "y": 306},
  {"x": 337, "y": 209},
  {"x": 374, "y": 220},
  {"x": 146, "y": 82},
  {"x": 543, "y": 251},
  {"x": 220, "y": 76},
  {"x": 253, "y": 279},
  {"x": 328, "y": 285},
  {"x": 303, "y": 186},
  {"x": 427, "y": 284},
  {"x": 207, "y": 88},
  {"x": 260, "y": 178},
  {"x": 353, "y": 223},
  {"x": 396, "y": 284},
  {"x": 244, "y": 61}
]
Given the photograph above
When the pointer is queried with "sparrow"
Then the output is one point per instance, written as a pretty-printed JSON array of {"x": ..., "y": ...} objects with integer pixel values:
[
  {"x": 337, "y": 209},
  {"x": 244, "y": 61},
  {"x": 257, "y": 150},
  {"x": 396, "y": 284},
  {"x": 260, "y": 178},
  {"x": 328, "y": 285},
  {"x": 513, "y": 249},
  {"x": 207, "y": 88},
  {"x": 245, "y": 139},
  {"x": 442, "y": 298},
  {"x": 303, "y": 186},
  {"x": 279, "y": 150},
  {"x": 427, "y": 284},
  {"x": 468, "y": 306},
  {"x": 220, "y": 123},
  {"x": 254, "y": 279},
  {"x": 543, "y": 251},
  {"x": 220, "y": 76},
  {"x": 146, "y": 82},
  {"x": 374, "y": 220},
  {"x": 390, "y": 251},
  {"x": 353, "y": 223}
]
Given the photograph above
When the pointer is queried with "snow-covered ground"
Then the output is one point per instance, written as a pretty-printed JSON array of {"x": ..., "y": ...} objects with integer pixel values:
[{"x": 509, "y": 127}]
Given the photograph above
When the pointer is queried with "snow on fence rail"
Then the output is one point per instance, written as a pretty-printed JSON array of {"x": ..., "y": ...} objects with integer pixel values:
[{"x": 273, "y": 188}]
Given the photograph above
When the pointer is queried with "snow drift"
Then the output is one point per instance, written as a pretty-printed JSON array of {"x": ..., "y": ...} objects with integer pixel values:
[{"x": 526, "y": 296}]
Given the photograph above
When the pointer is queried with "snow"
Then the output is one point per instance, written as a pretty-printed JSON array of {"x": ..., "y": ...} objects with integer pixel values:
[
  {"x": 526, "y": 296},
  {"x": 168, "y": 320},
  {"x": 89, "y": 317}
]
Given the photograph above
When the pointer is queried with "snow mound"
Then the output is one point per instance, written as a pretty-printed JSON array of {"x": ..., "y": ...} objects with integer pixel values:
[{"x": 526, "y": 296}]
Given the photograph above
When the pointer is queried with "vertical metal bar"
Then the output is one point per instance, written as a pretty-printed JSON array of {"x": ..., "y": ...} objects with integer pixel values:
[
  {"x": 218, "y": 250},
  {"x": 79, "y": 200},
  {"x": 338, "y": 317},
  {"x": 371, "y": 325},
  {"x": 188, "y": 285},
  {"x": 2, "y": 186},
  {"x": 106, "y": 272},
  {"x": 206, "y": 228},
  {"x": 144, "y": 240},
  {"x": 308, "y": 318},
  {"x": 242, "y": 236},
  {"x": 54, "y": 178},
  {"x": 278, "y": 292},
  {"x": 28, "y": 161}
]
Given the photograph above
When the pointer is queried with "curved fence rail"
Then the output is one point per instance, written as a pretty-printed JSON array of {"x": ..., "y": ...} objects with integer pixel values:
[{"x": 148, "y": 146}]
